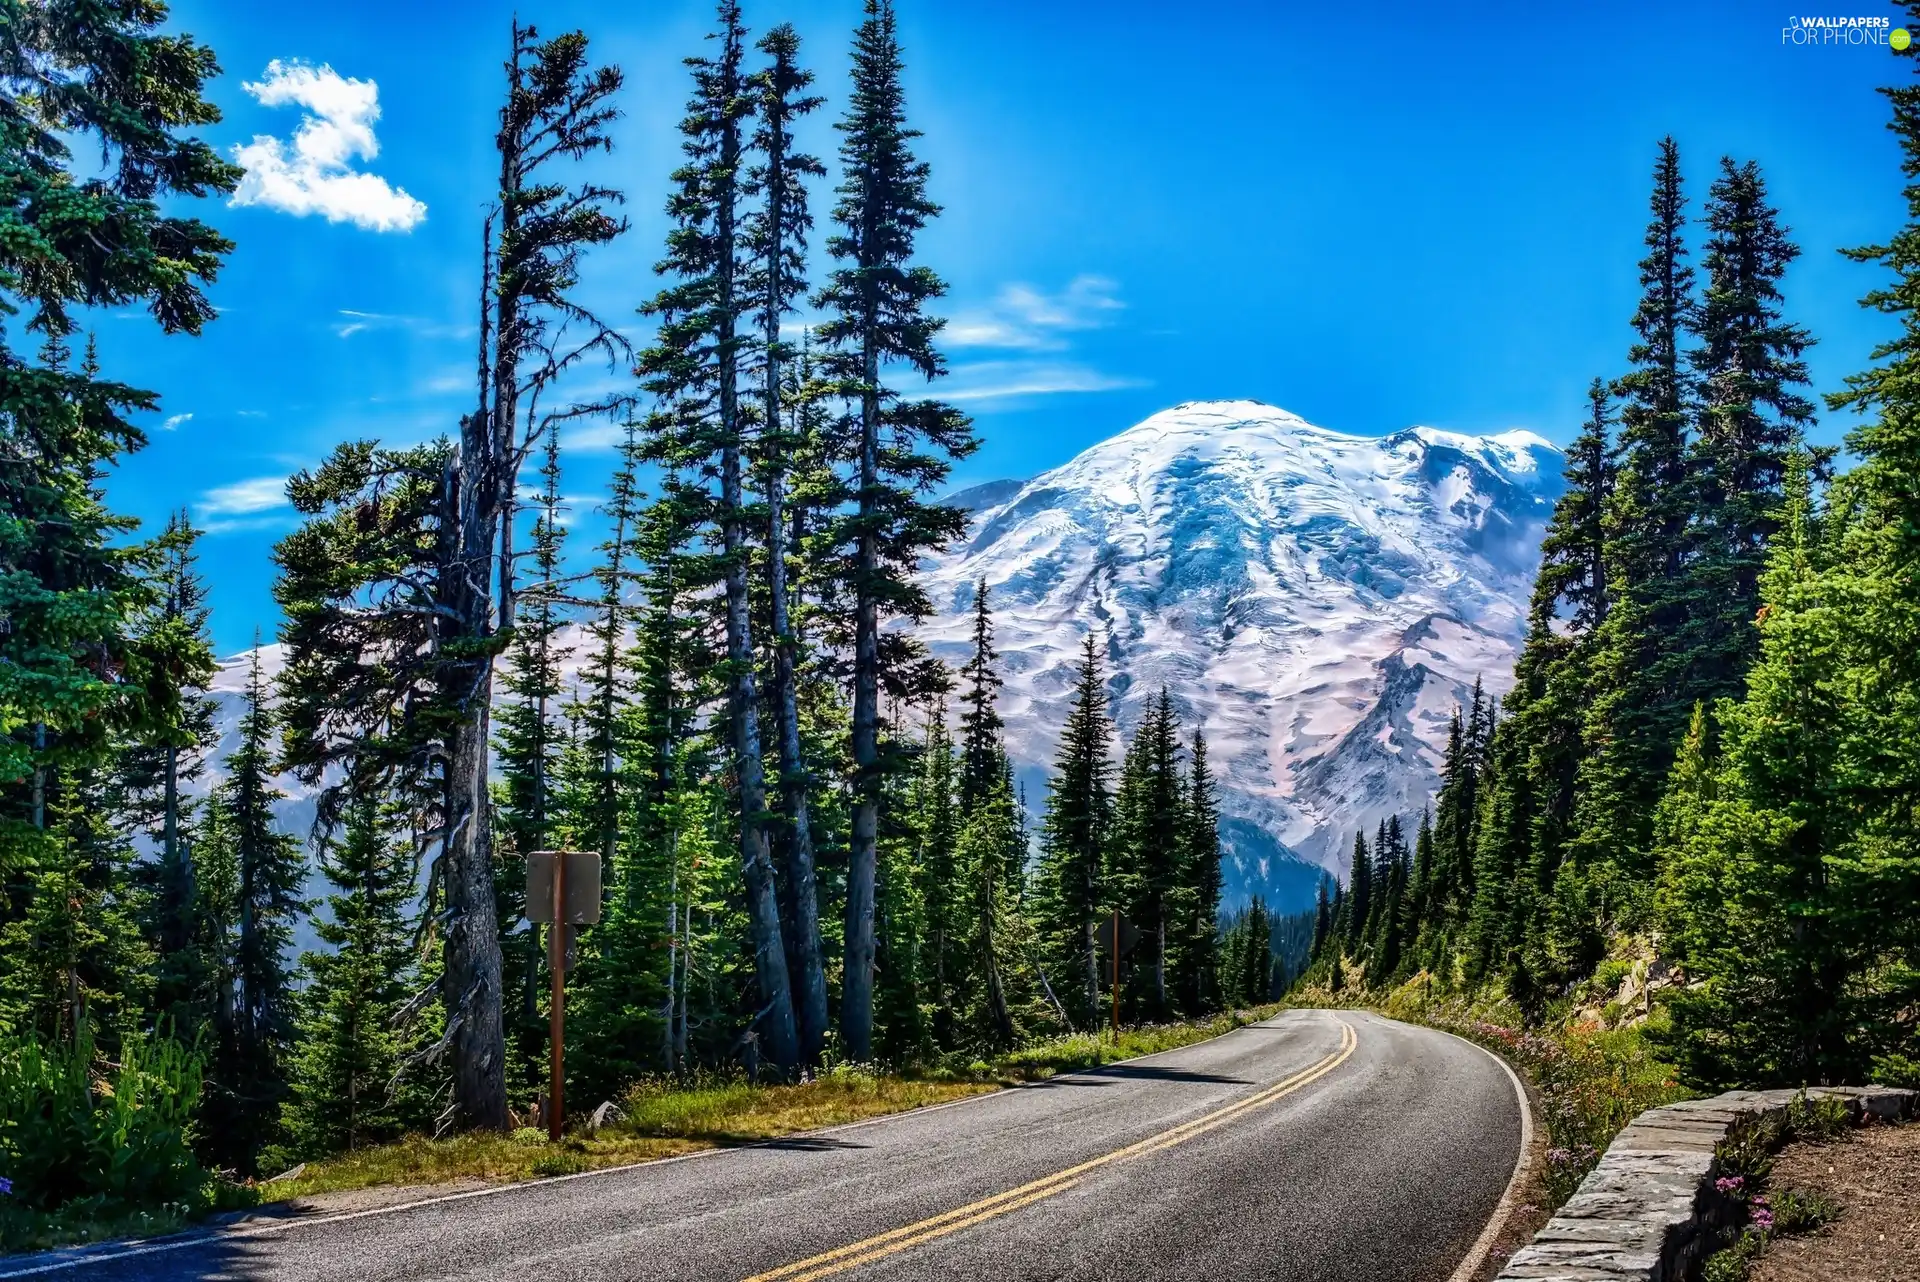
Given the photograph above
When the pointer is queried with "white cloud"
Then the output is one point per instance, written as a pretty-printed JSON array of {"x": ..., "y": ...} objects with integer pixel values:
[
  {"x": 998, "y": 380},
  {"x": 314, "y": 174},
  {"x": 1026, "y": 318},
  {"x": 260, "y": 494},
  {"x": 175, "y": 420}
]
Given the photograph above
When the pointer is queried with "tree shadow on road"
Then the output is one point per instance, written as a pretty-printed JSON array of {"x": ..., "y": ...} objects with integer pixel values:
[{"x": 1138, "y": 1073}]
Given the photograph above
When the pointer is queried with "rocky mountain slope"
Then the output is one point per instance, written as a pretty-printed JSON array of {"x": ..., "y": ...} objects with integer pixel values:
[{"x": 1318, "y": 603}]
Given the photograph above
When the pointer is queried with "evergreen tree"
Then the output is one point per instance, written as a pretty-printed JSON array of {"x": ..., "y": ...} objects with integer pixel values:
[
  {"x": 991, "y": 945},
  {"x": 1640, "y": 709},
  {"x": 1790, "y": 852},
  {"x": 1199, "y": 962},
  {"x": 776, "y": 238},
  {"x": 1145, "y": 860},
  {"x": 107, "y": 84},
  {"x": 343, "y": 1074},
  {"x": 528, "y": 746},
  {"x": 1748, "y": 366},
  {"x": 694, "y": 368},
  {"x": 1359, "y": 902},
  {"x": 1255, "y": 955},
  {"x": 171, "y": 636},
  {"x": 74, "y": 957},
  {"x": 250, "y": 1085},
  {"x": 942, "y": 890},
  {"x": 1073, "y": 837},
  {"x": 983, "y": 763},
  {"x": 1322, "y": 919},
  {"x": 876, "y": 302}
]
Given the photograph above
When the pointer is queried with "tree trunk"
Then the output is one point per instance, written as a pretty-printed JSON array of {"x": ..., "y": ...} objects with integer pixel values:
[
  {"x": 996, "y": 991},
  {"x": 856, "y": 1004},
  {"x": 743, "y": 699},
  {"x": 472, "y": 980},
  {"x": 812, "y": 1004},
  {"x": 170, "y": 810}
]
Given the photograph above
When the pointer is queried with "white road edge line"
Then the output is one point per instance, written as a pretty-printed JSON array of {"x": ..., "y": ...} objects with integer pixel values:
[
  {"x": 86, "y": 1256},
  {"x": 1477, "y": 1254}
]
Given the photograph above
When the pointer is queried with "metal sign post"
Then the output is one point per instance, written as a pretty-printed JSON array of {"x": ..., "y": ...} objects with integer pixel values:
[{"x": 563, "y": 889}]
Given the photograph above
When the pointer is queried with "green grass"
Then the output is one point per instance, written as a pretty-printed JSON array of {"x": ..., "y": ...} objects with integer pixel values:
[
  {"x": 667, "y": 1118},
  {"x": 663, "y": 1120}
]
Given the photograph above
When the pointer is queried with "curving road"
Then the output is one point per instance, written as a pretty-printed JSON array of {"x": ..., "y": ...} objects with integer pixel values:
[{"x": 1327, "y": 1145}]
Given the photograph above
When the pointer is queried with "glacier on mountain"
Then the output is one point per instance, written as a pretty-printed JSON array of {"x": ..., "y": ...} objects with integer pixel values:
[{"x": 1317, "y": 602}]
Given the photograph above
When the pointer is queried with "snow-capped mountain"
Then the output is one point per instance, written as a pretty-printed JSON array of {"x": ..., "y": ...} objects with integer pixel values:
[{"x": 1318, "y": 603}]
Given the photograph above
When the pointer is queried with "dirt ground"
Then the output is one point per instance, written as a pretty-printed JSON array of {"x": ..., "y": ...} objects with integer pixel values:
[{"x": 1874, "y": 1173}]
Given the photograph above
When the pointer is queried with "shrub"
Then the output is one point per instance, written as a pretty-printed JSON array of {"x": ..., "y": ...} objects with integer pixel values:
[
  {"x": 1803, "y": 1211},
  {"x": 121, "y": 1141}
]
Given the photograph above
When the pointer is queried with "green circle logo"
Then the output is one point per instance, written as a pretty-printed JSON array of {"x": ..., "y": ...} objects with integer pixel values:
[{"x": 1900, "y": 39}]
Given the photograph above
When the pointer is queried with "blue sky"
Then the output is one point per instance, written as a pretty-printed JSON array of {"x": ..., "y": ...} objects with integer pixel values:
[{"x": 1371, "y": 215}]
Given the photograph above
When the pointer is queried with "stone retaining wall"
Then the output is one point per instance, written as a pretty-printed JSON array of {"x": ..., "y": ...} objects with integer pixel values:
[{"x": 1647, "y": 1212}]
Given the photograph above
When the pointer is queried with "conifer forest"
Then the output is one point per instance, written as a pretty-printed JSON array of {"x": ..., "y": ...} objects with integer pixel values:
[{"x": 814, "y": 849}]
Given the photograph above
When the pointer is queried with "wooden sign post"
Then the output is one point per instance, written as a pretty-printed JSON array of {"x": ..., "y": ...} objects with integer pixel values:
[
  {"x": 563, "y": 889},
  {"x": 1118, "y": 937}
]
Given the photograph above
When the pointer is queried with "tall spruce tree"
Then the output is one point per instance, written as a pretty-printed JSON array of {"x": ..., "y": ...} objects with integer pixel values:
[
  {"x": 251, "y": 1082},
  {"x": 983, "y": 764},
  {"x": 177, "y": 652},
  {"x": 876, "y": 299},
  {"x": 1146, "y": 858},
  {"x": 1073, "y": 839},
  {"x": 1748, "y": 366},
  {"x": 1198, "y": 955},
  {"x": 775, "y": 236},
  {"x": 1639, "y": 709},
  {"x": 695, "y": 368}
]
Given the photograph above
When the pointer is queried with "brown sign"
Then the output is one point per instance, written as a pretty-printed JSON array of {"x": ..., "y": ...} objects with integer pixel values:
[{"x": 580, "y": 886}]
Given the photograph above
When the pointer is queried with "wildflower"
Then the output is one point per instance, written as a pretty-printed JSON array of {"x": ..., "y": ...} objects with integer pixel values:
[
  {"x": 6, "y": 1186},
  {"x": 1731, "y": 1185},
  {"x": 1763, "y": 1220}
]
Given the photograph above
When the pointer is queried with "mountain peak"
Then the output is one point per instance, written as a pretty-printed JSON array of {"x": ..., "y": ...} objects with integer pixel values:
[{"x": 1316, "y": 601}]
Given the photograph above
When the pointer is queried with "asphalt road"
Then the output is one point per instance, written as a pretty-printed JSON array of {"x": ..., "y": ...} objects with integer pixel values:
[{"x": 1321, "y": 1145}]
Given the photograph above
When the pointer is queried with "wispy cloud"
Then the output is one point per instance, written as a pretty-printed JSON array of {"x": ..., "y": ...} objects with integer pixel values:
[
  {"x": 1000, "y": 380},
  {"x": 1028, "y": 319},
  {"x": 314, "y": 173},
  {"x": 251, "y": 413},
  {"x": 242, "y": 498},
  {"x": 175, "y": 420},
  {"x": 358, "y": 322}
]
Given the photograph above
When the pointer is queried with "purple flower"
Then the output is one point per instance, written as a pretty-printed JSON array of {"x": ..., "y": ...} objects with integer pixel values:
[
  {"x": 1730, "y": 1184},
  {"x": 1763, "y": 1219},
  {"x": 6, "y": 1186}
]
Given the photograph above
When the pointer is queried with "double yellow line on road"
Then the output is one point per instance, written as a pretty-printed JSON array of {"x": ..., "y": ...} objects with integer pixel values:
[{"x": 891, "y": 1243}]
